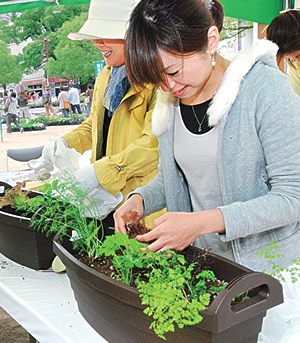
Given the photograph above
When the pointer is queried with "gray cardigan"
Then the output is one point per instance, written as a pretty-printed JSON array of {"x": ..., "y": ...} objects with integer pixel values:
[{"x": 258, "y": 115}]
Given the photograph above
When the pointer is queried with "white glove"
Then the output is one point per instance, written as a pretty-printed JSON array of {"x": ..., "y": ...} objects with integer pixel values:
[
  {"x": 40, "y": 166},
  {"x": 105, "y": 202},
  {"x": 86, "y": 178},
  {"x": 56, "y": 152}
]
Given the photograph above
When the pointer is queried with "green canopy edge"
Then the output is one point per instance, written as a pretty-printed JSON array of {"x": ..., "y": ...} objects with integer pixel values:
[
  {"x": 26, "y": 5},
  {"x": 260, "y": 11}
]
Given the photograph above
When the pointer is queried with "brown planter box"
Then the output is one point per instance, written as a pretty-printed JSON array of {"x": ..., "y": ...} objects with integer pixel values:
[
  {"x": 21, "y": 243},
  {"x": 114, "y": 310}
]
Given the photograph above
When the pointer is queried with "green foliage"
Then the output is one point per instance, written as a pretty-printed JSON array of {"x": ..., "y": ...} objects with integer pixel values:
[
  {"x": 40, "y": 123},
  {"x": 14, "y": 197},
  {"x": 234, "y": 28},
  {"x": 3, "y": 29},
  {"x": 171, "y": 292},
  {"x": 33, "y": 56},
  {"x": 63, "y": 206},
  {"x": 130, "y": 255},
  {"x": 268, "y": 252},
  {"x": 9, "y": 69},
  {"x": 167, "y": 303},
  {"x": 37, "y": 24},
  {"x": 172, "y": 296},
  {"x": 73, "y": 59},
  {"x": 40, "y": 22},
  {"x": 168, "y": 286}
]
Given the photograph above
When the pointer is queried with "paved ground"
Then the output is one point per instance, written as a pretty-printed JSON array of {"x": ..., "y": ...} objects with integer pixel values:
[
  {"x": 25, "y": 140},
  {"x": 10, "y": 331}
]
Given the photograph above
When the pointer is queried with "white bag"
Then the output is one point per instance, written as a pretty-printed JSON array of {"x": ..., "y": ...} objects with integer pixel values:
[{"x": 58, "y": 160}]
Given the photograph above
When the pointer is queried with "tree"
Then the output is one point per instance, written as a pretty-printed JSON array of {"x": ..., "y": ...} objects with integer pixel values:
[
  {"x": 36, "y": 24},
  {"x": 73, "y": 59},
  {"x": 10, "y": 72},
  {"x": 232, "y": 29},
  {"x": 3, "y": 28}
]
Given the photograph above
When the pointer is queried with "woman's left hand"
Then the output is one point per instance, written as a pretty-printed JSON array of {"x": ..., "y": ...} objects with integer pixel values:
[{"x": 177, "y": 230}]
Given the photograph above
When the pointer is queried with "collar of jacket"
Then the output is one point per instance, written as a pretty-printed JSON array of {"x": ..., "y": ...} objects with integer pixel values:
[
  {"x": 163, "y": 113},
  {"x": 138, "y": 93}
]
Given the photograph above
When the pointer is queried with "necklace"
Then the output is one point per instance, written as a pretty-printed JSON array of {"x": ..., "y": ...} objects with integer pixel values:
[{"x": 200, "y": 124}]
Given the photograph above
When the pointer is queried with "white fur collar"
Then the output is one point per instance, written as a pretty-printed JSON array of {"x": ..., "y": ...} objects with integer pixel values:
[{"x": 163, "y": 113}]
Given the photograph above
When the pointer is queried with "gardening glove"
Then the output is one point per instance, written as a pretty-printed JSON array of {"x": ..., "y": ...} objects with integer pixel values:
[
  {"x": 40, "y": 166},
  {"x": 105, "y": 201},
  {"x": 56, "y": 151}
]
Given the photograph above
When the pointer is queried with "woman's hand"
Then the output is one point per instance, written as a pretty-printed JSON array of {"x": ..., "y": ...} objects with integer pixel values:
[
  {"x": 134, "y": 203},
  {"x": 177, "y": 230}
]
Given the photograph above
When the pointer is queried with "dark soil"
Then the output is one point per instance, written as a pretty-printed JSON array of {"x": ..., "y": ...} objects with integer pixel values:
[
  {"x": 104, "y": 265},
  {"x": 134, "y": 227}
]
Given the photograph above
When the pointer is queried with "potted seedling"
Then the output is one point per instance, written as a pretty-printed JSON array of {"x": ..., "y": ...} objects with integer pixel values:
[
  {"x": 29, "y": 220},
  {"x": 129, "y": 294},
  {"x": 18, "y": 240}
]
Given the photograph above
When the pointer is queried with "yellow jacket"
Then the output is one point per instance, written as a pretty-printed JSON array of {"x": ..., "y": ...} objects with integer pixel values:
[{"x": 131, "y": 157}]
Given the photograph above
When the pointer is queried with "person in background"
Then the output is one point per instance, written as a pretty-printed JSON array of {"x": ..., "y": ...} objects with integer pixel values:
[
  {"x": 228, "y": 134},
  {"x": 12, "y": 113},
  {"x": 284, "y": 30},
  {"x": 29, "y": 96},
  {"x": 118, "y": 130},
  {"x": 22, "y": 102},
  {"x": 5, "y": 96},
  {"x": 47, "y": 100},
  {"x": 73, "y": 96},
  {"x": 35, "y": 98},
  {"x": 62, "y": 99},
  {"x": 89, "y": 99}
]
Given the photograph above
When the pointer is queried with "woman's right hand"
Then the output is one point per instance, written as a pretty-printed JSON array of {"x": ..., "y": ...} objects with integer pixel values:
[{"x": 134, "y": 203}]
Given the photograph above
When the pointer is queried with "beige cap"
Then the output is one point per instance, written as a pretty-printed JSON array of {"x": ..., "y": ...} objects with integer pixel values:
[{"x": 107, "y": 20}]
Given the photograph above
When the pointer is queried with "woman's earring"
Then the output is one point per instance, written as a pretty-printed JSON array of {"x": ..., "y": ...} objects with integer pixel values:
[{"x": 213, "y": 62}]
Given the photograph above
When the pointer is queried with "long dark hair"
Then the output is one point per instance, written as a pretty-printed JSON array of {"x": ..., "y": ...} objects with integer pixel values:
[
  {"x": 284, "y": 30},
  {"x": 176, "y": 26}
]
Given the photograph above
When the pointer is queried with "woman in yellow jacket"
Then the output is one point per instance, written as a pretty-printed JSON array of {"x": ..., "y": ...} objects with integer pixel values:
[
  {"x": 124, "y": 150},
  {"x": 131, "y": 155},
  {"x": 130, "y": 158}
]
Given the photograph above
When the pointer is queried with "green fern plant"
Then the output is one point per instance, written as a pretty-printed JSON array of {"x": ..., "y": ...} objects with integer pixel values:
[
  {"x": 170, "y": 290},
  {"x": 64, "y": 207},
  {"x": 269, "y": 253}
]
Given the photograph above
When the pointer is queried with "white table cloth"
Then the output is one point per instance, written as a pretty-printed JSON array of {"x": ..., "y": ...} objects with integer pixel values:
[{"x": 43, "y": 303}]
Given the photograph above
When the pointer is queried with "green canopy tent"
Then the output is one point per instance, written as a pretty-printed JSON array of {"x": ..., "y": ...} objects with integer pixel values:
[
  {"x": 260, "y": 11},
  {"x": 7, "y": 6}
]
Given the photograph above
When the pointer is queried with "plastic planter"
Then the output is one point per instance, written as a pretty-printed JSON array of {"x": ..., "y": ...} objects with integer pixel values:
[
  {"x": 21, "y": 243},
  {"x": 114, "y": 310}
]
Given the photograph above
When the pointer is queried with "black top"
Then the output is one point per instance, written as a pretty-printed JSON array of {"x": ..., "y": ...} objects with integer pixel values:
[
  {"x": 106, "y": 124},
  {"x": 189, "y": 119}
]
